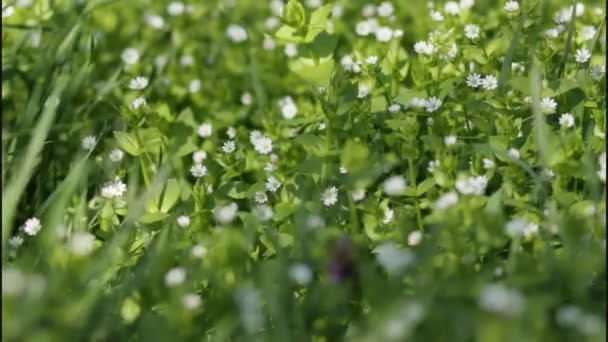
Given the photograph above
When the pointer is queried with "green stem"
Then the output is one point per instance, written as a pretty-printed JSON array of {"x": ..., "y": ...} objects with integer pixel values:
[{"x": 412, "y": 175}]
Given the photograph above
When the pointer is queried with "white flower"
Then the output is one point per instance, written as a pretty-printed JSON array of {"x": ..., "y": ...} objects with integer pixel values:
[
  {"x": 183, "y": 221},
  {"x": 205, "y": 130},
  {"x": 291, "y": 50},
  {"x": 116, "y": 155},
  {"x": 154, "y": 20},
  {"x": 436, "y": 16},
  {"x": 199, "y": 156},
  {"x": 175, "y": 277},
  {"x": 337, "y": 11},
  {"x": 521, "y": 227},
  {"x": 114, "y": 189},
  {"x": 236, "y": 33},
  {"x": 368, "y": 10},
  {"x": 225, "y": 214},
  {"x": 191, "y": 301},
  {"x": 371, "y": 60},
  {"x": 432, "y": 165},
  {"x": 475, "y": 185},
  {"x": 446, "y": 200},
  {"x": 393, "y": 259},
  {"x": 424, "y": 48},
  {"x": 32, "y": 226},
  {"x": 271, "y": 23},
  {"x": 250, "y": 306},
  {"x": 288, "y": 107},
  {"x": 263, "y": 212},
  {"x": 276, "y": 7},
  {"x": 300, "y": 274},
  {"x": 198, "y": 170},
  {"x": 499, "y": 299},
  {"x": 547, "y": 173},
  {"x": 552, "y": 33},
  {"x": 548, "y": 105},
  {"x": 13, "y": 281},
  {"x": 261, "y": 197},
  {"x": 451, "y": 7},
  {"x": 394, "y": 185},
  {"x": 82, "y": 243},
  {"x": 363, "y": 28},
  {"x": 513, "y": 153},
  {"x": 130, "y": 56},
  {"x": 313, "y": 3},
  {"x": 384, "y": 34},
  {"x": 246, "y": 99},
  {"x": 590, "y": 325},
  {"x": 388, "y": 216},
  {"x": 385, "y": 9},
  {"x": 394, "y": 108},
  {"x": 432, "y": 104},
  {"x": 602, "y": 172},
  {"x": 489, "y": 82},
  {"x": 342, "y": 169},
  {"x": 8, "y": 11},
  {"x": 358, "y": 194},
  {"x": 138, "y": 83},
  {"x": 582, "y": 55},
  {"x": 161, "y": 61},
  {"x": 566, "y": 120},
  {"x": 597, "y": 72},
  {"x": 15, "y": 241},
  {"x": 88, "y": 143},
  {"x": 137, "y": 102},
  {"x": 472, "y": 31},
  {"x": 466, "y": 4},
  {"x": 229, "y": 146},
  {"x": 268, "y": 43},
  {"x": 512, "y": 7},
  {"x": 194, "y": 86},
  {"x": 588, "y": 32},
  {"x": 329, "y": 197},
  {"x": 272, "y": 184},
  {"x": 263, "y": 145},
  {"x": 414, "y": 238},
  {"x": 347, "y": 62},
  {"x": 362, "y": 91},
  {"x": 474, "y": 80},
  {"x": 175, "y": 8},
  {"x": 488, "y": 163},
  {"x": 418, "y": 102},
  {"x": 450, "y": 140},
  {"x": 198, "y": 251}
]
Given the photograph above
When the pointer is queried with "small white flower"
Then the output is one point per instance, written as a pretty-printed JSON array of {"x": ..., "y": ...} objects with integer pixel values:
[
  {"x": 436, "y": 16},
  {"x": 276, "y": 7},
  {"x": 229, "y": 146},
  {"x": 194, "y": 86},
  {"x": 198, "y": 170},
  {"x": 582, "y": 55},
  {"x": 394, "y": 108},
  {"x": 313, "y": 3},
  {"x": 502, "y": 300},
  {"x": 452, "y": 8},
  {"x": 291, "y": 50},
  {"x": 446, "y": 200},
  {"x": 432, "y": 165},
  {"x": 263, "y": 145},
  {"x": 388, "y": 216},
  {"x": 475, "y": 185},
  {"x": 271, "y": 23},
  {"x": 488, "y": 163},
  {"x": 358, "y": 194},
  {"x": 512, "y": 7},
  {"x": 225, "y": 214},
  {"x": 394, "y": 185},
  {"x": 198, "y": 251},
  {"x": 175, "y": 277},
  {"x": 191, "y": 301},
  {"x": 82, "y": 243},
  {"x": 432, "y": 104},
  {"x": 472, "y": 31},
  {"x": 263, "y": 212},
  {"x": 521, "y": 227},
  {"x": 450, "y": 140},
  {"x": 430, "y": 121},
  {"x": 362, "y": 91},
  {"x": 588, "y": 32},
  {"x": 8, "y": 11},
  {"x": 88, "y": 143},
  {"x": 363, "y": 28},
  {"x": 15, "y": 241},
  {"x": 138, "y": 102},
  {"x": 138, "y": 83},
  {"x": 116, "y": 155},
  {"x": 288, "y": 107},
  {"x": 161, "y": 61},
  {"x": 175, "y": 8},
  {"x": 513, "y": 153},
  {"x": 261, "y": 197},
  {"x": 183, "y": 221},
  {"x": 154, "y": 20},
  {"x": 414, "y": 238},
  {"x": 342, "y": 169},
  {"x": 552, "y": 33},
  {"x": 130, "y": 56},
  {"x": 384, "y": 34},
  {"x": 32, "y": 226},
  {"x": 393, "y": 259},
  {"x": 489, "y": 82},
  {"x": 371, "y": 60},
  {"x": 418, "y": 102},
  {"x": 386, "y": 9},
  {"x": 547, "y": 174},
  {"x": 424, "y": 48},
  {"x": 602, "y": 171},
  {"x": 205, "y": 130},
  {"x": 597, "y": 72},
  {"x": 199, "y": 156},
  {"x": 246, "y": 98},
  {"x": 268, "y": 44},
  {"x": 329, "y": 197},
  {"x": 369, "y": 10},
  {"x": 13, "y": 281},
  {"x": 236, "y": 33},
  {"x": 466, "y": 4},
  {"x": 272, "y": 184},
  {"x": 566, "y": 120},
  {"x": 474, "y": 80},
  {"x": 548, "y": 105},
  {"x": 337, "y": 11},
  {"x": 300, "y": 274}
]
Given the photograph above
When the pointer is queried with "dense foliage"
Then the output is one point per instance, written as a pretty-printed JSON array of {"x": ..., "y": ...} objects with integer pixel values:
[{"x": 255, "y": 170}]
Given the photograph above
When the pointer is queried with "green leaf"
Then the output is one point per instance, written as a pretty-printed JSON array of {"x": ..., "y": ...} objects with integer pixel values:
[
  {"x": 171, "y": 195},
  {"x": 152, "y": 217},
  {"x": 318, "y": 22},
  {"x": 316, "y": 72},
  {"x": 354, "y": 155},
  {"x": 128, "y": 143},
  {"x": 283, "y": 210},
  {"x": 294, "y": 14},
  {"x": 425, "y": 186}
]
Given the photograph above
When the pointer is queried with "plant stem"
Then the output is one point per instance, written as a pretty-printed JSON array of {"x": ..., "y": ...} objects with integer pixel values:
[{"x": 412, "y": 175}]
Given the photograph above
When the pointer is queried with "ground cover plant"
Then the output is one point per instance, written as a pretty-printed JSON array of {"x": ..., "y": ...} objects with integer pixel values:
[{"x": 259, "y": 170}]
